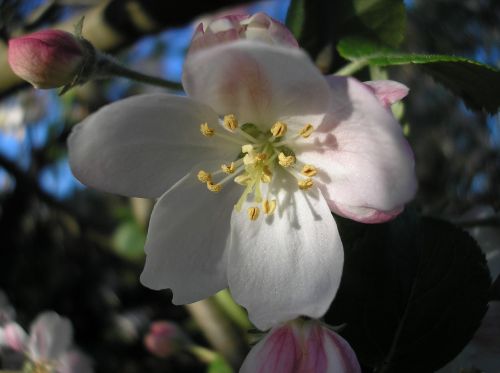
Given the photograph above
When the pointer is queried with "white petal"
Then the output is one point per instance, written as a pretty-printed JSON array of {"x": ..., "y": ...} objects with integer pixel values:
[
  {"x": 50, "y": 336},
  {"x": 141, "y": 145},
  {"x": 186, "y": 240},
  {"x": 366, "y": 166},
  {"x": 74, "y": 362},
  {"x": 288, "y": 264},
  {"x": 258, "y": 83}
]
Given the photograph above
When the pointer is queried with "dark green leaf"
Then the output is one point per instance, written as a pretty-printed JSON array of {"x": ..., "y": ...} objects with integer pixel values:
[
  {"x": 319, "y": 23},
  {"x": 476, "y": 83},
  {"x": 413, "y": 292}
]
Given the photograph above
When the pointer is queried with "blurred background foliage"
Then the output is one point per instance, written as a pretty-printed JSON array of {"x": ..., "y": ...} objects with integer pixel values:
[{"x": 80, "y": 252}]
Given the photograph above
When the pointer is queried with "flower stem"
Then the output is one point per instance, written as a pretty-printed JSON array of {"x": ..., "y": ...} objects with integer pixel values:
[
  {"x": 233, "y": 310},
  {"x": 108, "y": 66},
  {"x": 352, "y": 68},
  {"x": 218, "y": 330},
  {"x": 202, "y": 353}
]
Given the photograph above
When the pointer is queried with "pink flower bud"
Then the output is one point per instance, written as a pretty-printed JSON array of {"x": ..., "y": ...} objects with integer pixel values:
[
  {"x": 301, "y": 346},
  {"x": 228, "y": 28},
  {"x": 164, "y": 339},
  {"x": 47, "y": 58},
  {"x": 14, "y": 337}
]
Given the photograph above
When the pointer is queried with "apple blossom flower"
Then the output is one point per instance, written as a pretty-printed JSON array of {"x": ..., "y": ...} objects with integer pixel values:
[
  {"x": 247, "y": 169},
  {"x": 48, "y": 346},
  {"x": 301, "y": 346},
  {"x": 228, "y": 28},
  {"x": 47, "y": 58}
]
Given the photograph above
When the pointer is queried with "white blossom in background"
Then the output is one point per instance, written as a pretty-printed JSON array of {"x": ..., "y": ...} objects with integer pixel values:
[
  {"x": 301, "y": 346},
  {"x": 247, "y": 169},
  {"x": 49, "y": 346}
]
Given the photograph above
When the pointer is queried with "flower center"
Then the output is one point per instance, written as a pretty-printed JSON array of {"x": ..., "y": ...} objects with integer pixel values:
[{"x": 262, "y": 154}]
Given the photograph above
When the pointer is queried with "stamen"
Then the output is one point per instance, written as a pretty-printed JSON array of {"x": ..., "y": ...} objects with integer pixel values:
[
  {"x": 267, "y": 175},
  {"x": 286, "y": 161},
  {"x": 230, "y": 122},
  {"x": 305, "y": 184},
  {"x": 204, "y": 176},
  {"x": 216, "y": 188},
  {"x": 206, "y": 130},
  {"x": 246, "y": 135},
  {"x": 279, "y": 129},
  {"x": 269, "y": 206},
  {"x": 253, "y": 213},
  {"x": 260, "y": 157},
  {"x": 306, "y": 131},
  {"x": 228, "y": 169},
  {"x": 247, "y": 148},
  {"x": 243, "y": 179},
  {"x": 309, "y": 170}
]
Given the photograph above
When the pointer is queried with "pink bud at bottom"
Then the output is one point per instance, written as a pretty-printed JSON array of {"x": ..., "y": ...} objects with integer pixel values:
[
  {"x": 47, "y": 58},
  {"x": 164, "y": 339},
  {"x": 301, "y": 346}
]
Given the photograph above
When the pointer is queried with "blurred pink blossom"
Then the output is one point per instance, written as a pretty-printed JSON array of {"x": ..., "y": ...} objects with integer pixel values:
[{"x": 164, "y": 338}]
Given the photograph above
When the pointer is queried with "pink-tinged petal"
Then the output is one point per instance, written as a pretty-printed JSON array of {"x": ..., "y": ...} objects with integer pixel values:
[
  {"x": 341, "y": 357},
  {"x": 288, "y": 264},
  {"x": 141, "y": 145},
  {"x": 259, "y": 27},
  {"x": 262, "y": 27},
  {"x": 366, "y": 167},
  {"x": 364, "y": 214},
  {"x": 278, "y": 352},
  {"x": 50, "y": 336},
  {"x": 258, "y": 83},
  {"x": 14, "y": 337},
  {"x": 47, "y": 58},
  {"x": 388, "y": 92},
  {"x": 186, "y": 240},
  {"x": 74, "y": 362},
  {"x": 301, "y": 347}
]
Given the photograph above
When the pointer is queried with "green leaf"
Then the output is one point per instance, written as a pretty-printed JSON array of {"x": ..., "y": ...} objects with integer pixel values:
[
  {"x": 413, "y": 292},
  {"x": 128, "y": 241},
  {"x": 219, "y": 365},
  {"x": 476, "y": 83},
  {"x": 320, "y": 23}
]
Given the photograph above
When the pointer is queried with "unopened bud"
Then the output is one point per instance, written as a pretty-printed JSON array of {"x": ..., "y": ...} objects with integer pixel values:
[
  {"x": 164, "y": 339},
  {"x": 48, "y": 58}
]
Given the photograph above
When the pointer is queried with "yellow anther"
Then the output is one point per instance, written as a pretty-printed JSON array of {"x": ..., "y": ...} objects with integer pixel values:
[
  {"x": 216, "y": 188},
  {"x": 253, "y": 213},
  {"x": 306, "y": 184},
  {"x": 204, "y": 176},
  {"x": 286, "y": 160},
  {"x": 228, "y": 169},
  {"x": 261, "y": 156},
  {"x": 269, "y": 206},
  {"x": 206, "y": 130},
  {"x": 230, "y": 122},
  {"x": 279, "y": 129},
  {"x": 248, "y": 148},
  {"x": 309, "y": 170},
  {"x": 266, "y": 175},
  {"x": 242, "y": 179},
  {"x": 306, "y": 131},
  {"x": 249, "y": 159}
]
